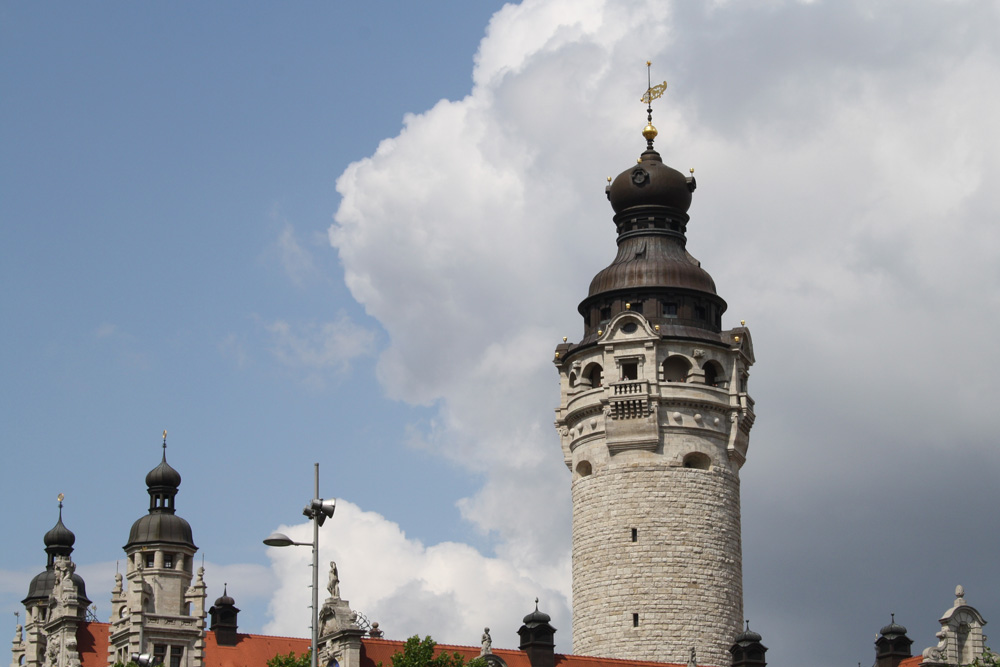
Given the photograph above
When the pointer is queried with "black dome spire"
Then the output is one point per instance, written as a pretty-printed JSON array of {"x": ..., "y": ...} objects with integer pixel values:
[
  {"x": 162, "y": 523},
  {"x": 163, "y": 475},
  {"x": 59, "y": 539}
]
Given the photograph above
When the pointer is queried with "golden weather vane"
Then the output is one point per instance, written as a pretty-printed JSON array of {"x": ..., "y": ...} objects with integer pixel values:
[{"x": 652, "y": 92}]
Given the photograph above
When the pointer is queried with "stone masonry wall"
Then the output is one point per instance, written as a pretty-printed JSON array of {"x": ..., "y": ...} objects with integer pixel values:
[{"x": 683, "y": 574}]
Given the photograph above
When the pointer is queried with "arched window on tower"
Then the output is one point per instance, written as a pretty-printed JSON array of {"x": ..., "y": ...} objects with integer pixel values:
[
  {"x": 676, "y": 369},
  {"x": 714, "y": 374},
  {"x": 592, "y": 375},
  {"x": 583, "y": 468}
]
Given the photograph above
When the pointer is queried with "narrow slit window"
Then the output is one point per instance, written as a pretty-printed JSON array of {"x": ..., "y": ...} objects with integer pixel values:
[
  {"x": 635, "y": 620},
  {"x": 635, "y": 534}
]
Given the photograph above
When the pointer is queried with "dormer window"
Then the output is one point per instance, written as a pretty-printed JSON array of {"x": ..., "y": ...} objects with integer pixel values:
[
  {"x": 669, "y": 309},
  {"x": 168, "y": 561},
  {"x": 150, "y": 559}
]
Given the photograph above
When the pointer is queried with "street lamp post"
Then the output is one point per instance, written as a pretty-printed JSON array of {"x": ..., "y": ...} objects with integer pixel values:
[{"x": 318, "y": 510}]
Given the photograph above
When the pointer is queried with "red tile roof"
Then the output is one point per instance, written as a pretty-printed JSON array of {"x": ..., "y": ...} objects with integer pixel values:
[
  {"x": 251, "y": 650},
  {"x": 256, "y": 650},
  {"x": 911, "y": 662},
  {"x": 92, "y": 641}
]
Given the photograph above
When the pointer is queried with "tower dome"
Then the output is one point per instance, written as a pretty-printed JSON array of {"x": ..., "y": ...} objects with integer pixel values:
[
  {"x": 163, "y": 475},
  {"x": 651, "y": 184},
  {"x": 58, "y": 541},
  {"x": 161, "y": 524}
]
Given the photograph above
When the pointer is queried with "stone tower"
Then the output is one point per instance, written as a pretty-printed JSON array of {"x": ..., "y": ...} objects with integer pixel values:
[
  {"x": 55, "y": 606},
  {"x": 654, "y": 419},
  {"x": 158, "y": 610}
]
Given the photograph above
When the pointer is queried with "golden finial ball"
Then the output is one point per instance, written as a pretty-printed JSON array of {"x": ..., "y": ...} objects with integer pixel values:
[
  {"x": 60, "y": 497},
  {"x": 600, "y": 332},
  {"x": 557, "y": 355},
  {"x": 691, "y": 170},
  {"x": 649, "y": 132},
  {"x": 736, "y": 338},
  {"x": 565, "y": 339},
  {"x": 657, "y": 327},
  {"x": 743, "y": 323},
  {"x": 628, "y": 306}
]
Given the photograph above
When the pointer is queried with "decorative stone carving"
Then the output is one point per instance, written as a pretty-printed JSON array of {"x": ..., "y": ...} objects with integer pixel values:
[
  {"x": 961, "y": 639},
  {"x": 937, "y": 655},
  {"x": 333, "y": 582},
  {"x": 487, "y": 643}
]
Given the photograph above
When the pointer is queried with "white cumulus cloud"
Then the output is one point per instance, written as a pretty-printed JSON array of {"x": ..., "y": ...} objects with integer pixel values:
[{"x": 447, "y": 590}]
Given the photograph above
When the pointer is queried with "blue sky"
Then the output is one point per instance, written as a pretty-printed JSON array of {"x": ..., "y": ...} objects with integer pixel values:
[
  {"x": 154, "y": 156},
  {"x": 353, "y": 234}
]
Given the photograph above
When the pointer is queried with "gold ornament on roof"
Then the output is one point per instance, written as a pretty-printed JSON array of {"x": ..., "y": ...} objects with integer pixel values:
[
  {"x": 60, "y": 497},
  {"x": 652, "y": 92}
]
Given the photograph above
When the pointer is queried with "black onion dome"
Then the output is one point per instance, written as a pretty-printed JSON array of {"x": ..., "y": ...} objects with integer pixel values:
[
  {"x": 43, "y": 584},
  {"x": 60, "y": 537},
  {"x": 160, "y": 527},
  {"x": 650, "y": 183},
  {"x": 536, "y": 617},
  {"x": 161, "y": 524},
  {"x": 894, "y": 629},
  {"x": 225, "y": 599},
  {"x": 748, "y": 636},
  {"x": 163, "y": 475}
]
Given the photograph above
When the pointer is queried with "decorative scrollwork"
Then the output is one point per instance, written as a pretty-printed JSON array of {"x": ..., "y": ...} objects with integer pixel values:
[{"x": 654, "y": 92}]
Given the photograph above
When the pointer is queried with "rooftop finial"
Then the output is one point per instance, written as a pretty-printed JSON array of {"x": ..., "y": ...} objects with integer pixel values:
[
  {"x": 60, "y": 498},
  {"x": 164, "y": 444},
  {"x": 652, "y": 93},
  {"x": 536, "y": 604}
]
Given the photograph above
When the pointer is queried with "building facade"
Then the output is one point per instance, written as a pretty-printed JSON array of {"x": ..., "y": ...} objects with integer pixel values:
[{"x": 654, "y": 421}]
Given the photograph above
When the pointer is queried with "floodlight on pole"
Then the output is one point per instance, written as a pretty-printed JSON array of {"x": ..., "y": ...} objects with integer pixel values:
[{"x": 319, "y": 511}]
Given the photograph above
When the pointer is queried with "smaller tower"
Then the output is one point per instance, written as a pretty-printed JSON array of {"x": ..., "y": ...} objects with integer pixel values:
[
  {"x": 223, "y": 614},
  {"x": 159, "y": 611},
  {"x": 56, "y": 604},
  {"x": 538, "y": 638},
  {"x": 747, "y": 650},
  {"x": 892, "y": 645}
]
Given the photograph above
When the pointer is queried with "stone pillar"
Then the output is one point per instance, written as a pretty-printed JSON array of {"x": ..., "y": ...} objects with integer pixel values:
[{"x": 339, "y": 634}]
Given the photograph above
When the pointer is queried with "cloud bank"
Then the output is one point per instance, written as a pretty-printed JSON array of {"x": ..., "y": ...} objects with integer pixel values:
[{"x": 845, "y": 155}]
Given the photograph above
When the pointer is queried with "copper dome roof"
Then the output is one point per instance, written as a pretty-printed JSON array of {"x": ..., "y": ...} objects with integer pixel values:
[{"x": 650, "y": 183}]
